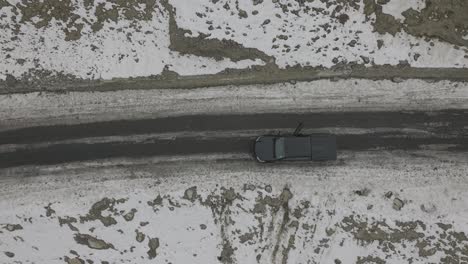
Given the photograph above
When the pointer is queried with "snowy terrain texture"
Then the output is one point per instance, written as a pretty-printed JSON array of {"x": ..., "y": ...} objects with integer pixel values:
[{"x": 97, "y": 39}]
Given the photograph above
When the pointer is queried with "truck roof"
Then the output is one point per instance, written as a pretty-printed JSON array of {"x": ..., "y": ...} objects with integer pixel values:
[{"x": 297, "y": 147}]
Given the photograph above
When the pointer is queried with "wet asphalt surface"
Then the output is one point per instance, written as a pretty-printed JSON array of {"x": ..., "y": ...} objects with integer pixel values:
[{"x": 443, "y": 129}]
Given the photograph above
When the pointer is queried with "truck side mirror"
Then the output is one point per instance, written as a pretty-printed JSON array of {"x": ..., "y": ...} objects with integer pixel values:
[{"x": 299, "y": 127}]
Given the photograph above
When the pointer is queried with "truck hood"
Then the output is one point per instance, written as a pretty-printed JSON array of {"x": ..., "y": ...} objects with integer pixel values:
[{"x": 264, "y": 148}]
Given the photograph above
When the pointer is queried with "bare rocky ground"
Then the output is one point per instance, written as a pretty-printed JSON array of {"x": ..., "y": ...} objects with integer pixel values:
[{"x": 70, "y": 62}]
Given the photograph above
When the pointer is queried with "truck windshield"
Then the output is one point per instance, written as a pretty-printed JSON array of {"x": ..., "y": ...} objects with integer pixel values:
[{"x": 279, "y": 148}]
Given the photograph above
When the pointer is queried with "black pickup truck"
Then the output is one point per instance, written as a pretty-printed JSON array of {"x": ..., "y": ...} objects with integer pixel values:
[{"x": 317, "y": 147}]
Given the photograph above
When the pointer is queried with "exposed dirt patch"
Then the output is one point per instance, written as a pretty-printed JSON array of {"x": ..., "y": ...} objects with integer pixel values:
[
  {"x": 64, "y": 13},
  {"x": 75, "y": 260},
  {"x": 268, "y": 74},
  {"x": 203, "y": 46},
  {"x": 220, "y": 207},
  {"x": 97, "y": 209},
  {"x": 13, "y": 227},
  {"x": 129, "y": 10},
  {"x": 450, "y": 243},
  {"x": 227, "y": 253},
  {"x": 380, "y": 231},
  {"x": 153, "y": 245},
  {"x": 384, "y": 23},
  {"x": 69, "y": 221},
  {"x": 444, "y": 19},
  {"x": 369, "y": 260},
  {"x": 92, "y": 242}
]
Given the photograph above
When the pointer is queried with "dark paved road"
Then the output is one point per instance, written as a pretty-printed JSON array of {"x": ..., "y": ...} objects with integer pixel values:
[{"x": 446, "y": 128}]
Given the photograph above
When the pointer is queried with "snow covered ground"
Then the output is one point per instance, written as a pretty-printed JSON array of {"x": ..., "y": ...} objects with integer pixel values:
[
  {"x": 368, "y": 207},
  {"x": 120, "y": 39}
]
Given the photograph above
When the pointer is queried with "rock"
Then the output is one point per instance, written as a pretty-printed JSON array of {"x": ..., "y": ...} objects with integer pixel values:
[
  {"x": 343, "y": 18},
  {"x": 249, "y": 187},
  {"x": 388, "y": 194},
  {"x": 130, "y": 215},
  {"x": 191, "y": 194},
  {"x": 428, "y": 208},
  {"x": 9, "y": 254},
  {"x": 11, "y": 80},
  {"x": 75, "y": 261},
  {"x": 268, "y": 189},
  {"x": 108, "y": 220},
  {"x": 352, "y": 43},
  {"x": 365, "y": 59},
  {"x": 12, "y": 228},
  {"x": 139, "y": 236},
  {"x": 362, "y": 192},
  {"x": 380, "y": 43},
  {"x": 398, "y": 204},
  {"x": 153, "y": 244},
  {"x": 49, "y": 210},
  {"x": 243, "y": 14},
  {"x": 203, "y": 226},
  {"x": 266, "y": 22},
  {"x": 257, "y": 2},
  {"x": 382, "y": 2},
  {"x": 92, "y": 242},
  {"x": 230, "y": 195},
  {"x": 329, "y": 231},
  {"x": 158, "y": 201}
]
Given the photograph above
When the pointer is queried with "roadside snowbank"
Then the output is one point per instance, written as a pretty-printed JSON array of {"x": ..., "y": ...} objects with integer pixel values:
[{"x": 33, "y": 109}]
